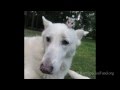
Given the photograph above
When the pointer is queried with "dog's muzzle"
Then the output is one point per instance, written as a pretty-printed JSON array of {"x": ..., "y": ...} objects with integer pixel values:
[{"x": 46, "y": 69}]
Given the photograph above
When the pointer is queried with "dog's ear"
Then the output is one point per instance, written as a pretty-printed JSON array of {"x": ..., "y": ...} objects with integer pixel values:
[
  {"x": 67, "y": 17},
  {"x": 80, "y": 33},
  {"x": 46, "y": 22}
]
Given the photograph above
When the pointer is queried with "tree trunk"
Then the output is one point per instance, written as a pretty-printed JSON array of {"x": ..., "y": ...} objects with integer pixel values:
[
  {"x": 32, "y": 24},
  {"x": 36, "y": 21}
]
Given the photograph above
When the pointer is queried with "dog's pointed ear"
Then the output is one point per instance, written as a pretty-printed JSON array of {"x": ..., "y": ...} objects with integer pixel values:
[
  {"x": 80, "y": 33},
  {"x": 46, "y": 22}
]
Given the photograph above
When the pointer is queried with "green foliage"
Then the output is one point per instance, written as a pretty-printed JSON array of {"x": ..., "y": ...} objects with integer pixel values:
[{"x": 87, "y": 19}]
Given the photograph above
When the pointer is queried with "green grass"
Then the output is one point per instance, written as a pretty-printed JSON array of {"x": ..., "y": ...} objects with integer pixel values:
[
  {"x": 31, "y": 32},
  {"x": 84, "y": 61}
]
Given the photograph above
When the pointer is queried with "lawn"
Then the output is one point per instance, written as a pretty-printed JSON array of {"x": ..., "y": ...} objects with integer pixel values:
[{"x": 84, "y": 61}]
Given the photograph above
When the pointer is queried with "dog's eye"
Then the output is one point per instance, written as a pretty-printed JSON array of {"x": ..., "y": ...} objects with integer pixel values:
[
  {"x": 65, "y": 42},
  {"x": 48, "y": 39}
]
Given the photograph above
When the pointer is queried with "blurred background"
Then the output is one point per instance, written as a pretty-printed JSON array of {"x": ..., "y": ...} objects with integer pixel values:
[{"x": 83, "y": 19}]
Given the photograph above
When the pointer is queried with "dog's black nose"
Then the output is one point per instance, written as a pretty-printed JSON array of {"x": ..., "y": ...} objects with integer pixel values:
[{"x": 46, "y": 69}]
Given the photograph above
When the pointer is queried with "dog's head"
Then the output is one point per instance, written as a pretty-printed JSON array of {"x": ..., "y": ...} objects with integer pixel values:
[
  {"x": 60, "y": 43},
  {"x": 70, "y": 22}
]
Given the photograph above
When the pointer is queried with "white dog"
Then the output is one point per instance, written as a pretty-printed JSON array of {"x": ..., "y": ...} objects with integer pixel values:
[{"x": 50, "y": 56}]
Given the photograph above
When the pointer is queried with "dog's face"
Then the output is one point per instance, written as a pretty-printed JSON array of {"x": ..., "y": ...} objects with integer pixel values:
[{"x": 60, "y": 43}]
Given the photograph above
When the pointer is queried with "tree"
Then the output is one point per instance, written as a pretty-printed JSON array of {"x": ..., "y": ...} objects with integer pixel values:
[
  {"x": 33, "y": 18},
  {"x": 84, "y": 19},
  {"x": 89, "y": 21}
]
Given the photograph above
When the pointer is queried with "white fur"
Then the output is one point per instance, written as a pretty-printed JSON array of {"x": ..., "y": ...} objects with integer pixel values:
[
  {"x": 37, "y": 51},
  {"x": 75, "y": 75}
]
